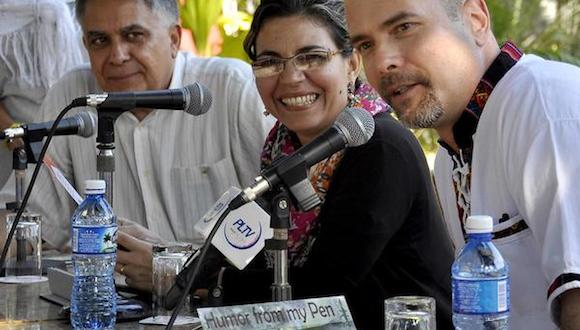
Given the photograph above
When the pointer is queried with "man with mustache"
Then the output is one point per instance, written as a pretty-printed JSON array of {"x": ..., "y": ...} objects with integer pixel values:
[{"x": 509, "y": 125}]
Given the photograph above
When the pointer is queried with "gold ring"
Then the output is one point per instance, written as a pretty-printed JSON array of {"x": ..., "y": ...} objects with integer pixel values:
[{"x": 122, "y": 270}]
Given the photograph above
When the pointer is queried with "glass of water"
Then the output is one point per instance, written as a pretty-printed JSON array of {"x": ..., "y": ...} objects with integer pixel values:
[
  {"x": 410, "y": 313},
  {"x": 23, "y": 261},
  {"x": 168, "y": 261}
]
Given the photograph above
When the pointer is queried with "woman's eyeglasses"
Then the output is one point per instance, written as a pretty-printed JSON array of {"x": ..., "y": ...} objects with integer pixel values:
[{"x": 271, "y": 66}]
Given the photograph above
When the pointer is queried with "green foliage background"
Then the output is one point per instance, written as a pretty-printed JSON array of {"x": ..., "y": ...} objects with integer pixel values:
[{"x": 549, "y": 28}]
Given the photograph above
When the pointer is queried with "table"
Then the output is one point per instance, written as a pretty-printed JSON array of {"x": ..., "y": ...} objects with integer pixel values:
[{"x": 22, "y": 308}]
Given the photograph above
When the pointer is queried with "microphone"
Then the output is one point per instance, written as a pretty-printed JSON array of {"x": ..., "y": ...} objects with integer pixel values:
[
  {"x": 82, "y": 124},
  {"x": 194, "y": 99},
  {"x": 240, "y": 237},
  {"x": 353, "y": 127}
]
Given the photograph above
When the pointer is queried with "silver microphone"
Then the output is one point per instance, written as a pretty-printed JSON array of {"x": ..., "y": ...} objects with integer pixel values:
[
  {"x": 82, "y": 124},
  {"x": 353, "y": 127},
  {"x": 195, "y": 99}
]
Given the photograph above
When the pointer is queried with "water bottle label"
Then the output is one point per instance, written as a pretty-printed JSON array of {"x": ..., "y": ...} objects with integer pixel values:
[
  {"x": 94, "y": 240},
  {"x": 481, "y": 296}
]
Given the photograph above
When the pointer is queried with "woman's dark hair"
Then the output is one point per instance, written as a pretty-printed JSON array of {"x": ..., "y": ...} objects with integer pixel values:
[{"x": 330, "y": 13}]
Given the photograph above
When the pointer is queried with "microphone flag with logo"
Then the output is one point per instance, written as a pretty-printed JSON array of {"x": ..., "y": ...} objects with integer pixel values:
[{"x": 243, "y": 232}]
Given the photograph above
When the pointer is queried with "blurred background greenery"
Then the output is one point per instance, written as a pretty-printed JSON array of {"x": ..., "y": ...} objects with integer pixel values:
[{"x": 549, "y": 28}]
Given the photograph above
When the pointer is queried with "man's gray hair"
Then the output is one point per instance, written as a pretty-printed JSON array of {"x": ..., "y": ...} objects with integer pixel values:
[
  {"x": 168, "y": 8},
  {"x": 452, "y": 8}
]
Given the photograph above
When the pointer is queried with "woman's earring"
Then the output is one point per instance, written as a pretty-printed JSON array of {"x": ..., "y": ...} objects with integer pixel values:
[
  {"x": 266, "y": 113},
  {"x": 350, "y": 91}
]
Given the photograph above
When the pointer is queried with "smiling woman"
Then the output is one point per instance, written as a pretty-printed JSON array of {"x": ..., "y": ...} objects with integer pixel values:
[
  {"x": 378, "y": 232},
  {"x": 307, "y": 95}
]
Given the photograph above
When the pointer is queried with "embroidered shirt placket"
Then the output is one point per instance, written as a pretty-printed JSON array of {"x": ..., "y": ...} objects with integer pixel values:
[
  {"x": 460, "y": 175},
  {"x": 467, "y": 125}
]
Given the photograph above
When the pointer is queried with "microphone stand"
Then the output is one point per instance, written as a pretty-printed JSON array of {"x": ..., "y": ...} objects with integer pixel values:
[
  {"x": 21, "y": 157},
  {"x": 106, "y": 146},
  {"x": 292, "y": 176},
  {"x": 278, "y": 244},
  {"x": 10, "y": 234},
  {"x": 19, "y": 165}
]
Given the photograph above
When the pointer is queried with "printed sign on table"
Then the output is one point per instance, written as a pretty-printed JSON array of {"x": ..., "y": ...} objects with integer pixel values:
[{"x": 320, "y": 313}]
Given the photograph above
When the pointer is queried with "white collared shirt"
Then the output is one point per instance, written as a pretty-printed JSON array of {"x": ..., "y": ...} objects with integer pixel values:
[
  {"x": 526, "y": 165},
  {"x": 171, "y": 166}
]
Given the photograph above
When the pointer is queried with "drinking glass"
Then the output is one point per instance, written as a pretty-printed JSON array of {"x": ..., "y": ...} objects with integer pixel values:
[
  {"x": 410, "y": 313},
  {"x": 168, "y": 261},
  {"x": 23, "y": 261}
]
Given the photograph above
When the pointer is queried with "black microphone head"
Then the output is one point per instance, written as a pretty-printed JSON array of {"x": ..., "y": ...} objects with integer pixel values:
[
  {"x": 357, "y": 125},
  {"x": 87, "y": 123},
  {"x": 197, "y": 99}
]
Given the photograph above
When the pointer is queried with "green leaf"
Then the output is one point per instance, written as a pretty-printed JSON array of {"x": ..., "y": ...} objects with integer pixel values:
[{"x": 199, "y": 16}]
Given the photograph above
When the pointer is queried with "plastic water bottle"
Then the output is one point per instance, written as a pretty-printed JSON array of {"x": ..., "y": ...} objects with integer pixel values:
[
  {"x": 480, "y": 281},
  {"x": 94, "y": 244}
]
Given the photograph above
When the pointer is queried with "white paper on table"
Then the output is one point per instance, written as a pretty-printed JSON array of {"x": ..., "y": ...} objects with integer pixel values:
[{"x": 164, "y": 320}]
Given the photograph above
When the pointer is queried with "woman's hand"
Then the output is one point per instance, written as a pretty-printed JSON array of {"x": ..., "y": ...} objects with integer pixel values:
[{"x": 134, "y": 260}]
